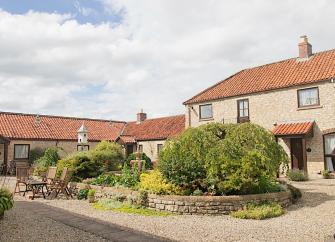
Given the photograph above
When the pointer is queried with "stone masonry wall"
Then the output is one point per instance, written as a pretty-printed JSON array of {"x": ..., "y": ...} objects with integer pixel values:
[
  {"x": 213, "y": 205},
  {"x": 202, "y": 205}
]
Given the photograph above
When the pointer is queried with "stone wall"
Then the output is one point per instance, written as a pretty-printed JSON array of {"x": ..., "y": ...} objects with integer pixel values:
[
  {"x": 202, "y": 205},
  {"x": 213, "y": 205}
]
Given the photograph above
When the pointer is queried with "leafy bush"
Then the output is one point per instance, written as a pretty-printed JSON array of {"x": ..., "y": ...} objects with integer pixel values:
[
  {"x": 110, "y": 154},
  {"x": 105, "y": 180},
  {"x": 49, "y": 158},
  {"x": 91, "y": 193},
  {"x": 129, "y": 177},
  {"x": 148, "y": 163},
  {"x": 259, "y": 211},
  {"x": 106, "y": 156},
  {"x": 35, "y": 154},
  {"x": 6, "y": 201},
  {"x": 297, "y": 175},
  {"x": 82, "y": 194},
  {"x": 198, "y": 192},
  {"x": 326, "y": 174},
  {"x": 182, "y": 161},
  {"x": 224, "y": 159},
  {"x": 82, "y": 165},
  {"x": 154, "y": 182}
]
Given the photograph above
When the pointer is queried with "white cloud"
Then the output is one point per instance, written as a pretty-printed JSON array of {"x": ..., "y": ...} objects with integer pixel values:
[{"x": 162, "y": 53}]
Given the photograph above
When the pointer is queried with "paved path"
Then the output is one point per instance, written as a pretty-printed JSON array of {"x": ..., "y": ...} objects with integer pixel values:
[{"x": 108, "y": 231}]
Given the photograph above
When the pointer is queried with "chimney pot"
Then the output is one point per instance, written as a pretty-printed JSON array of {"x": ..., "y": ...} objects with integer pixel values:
[
  {"x": 305, "y": 48},
  {"x": 141, "y": 116}
]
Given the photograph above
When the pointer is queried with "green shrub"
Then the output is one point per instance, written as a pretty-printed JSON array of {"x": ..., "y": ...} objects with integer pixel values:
[
  {"x": 105, "y": 180},
  {"x": 154, "y": 182},
  {"x": 182, "y": 161},
  {"x": 82, "y": 194},
  {"x": 6, "y": 201},
  {"x": 49, "y": 158},
  {"x": 148, "y": 163},
  {"x": 91, "y": 193},
  {"x": 129, "y": 177},
  {"x": 198, "y": 192},
  {"x": 110, "y": 154},
  {"x": 259, "y": 211},
  {"x": 326, "y": 174},
  {"x": 106, "y": 156},
  {"x": 35, "y": 154},
  {"x": 297, "y": 175},
  {"x": 224, "y": 159},
  {"x": 246, "y": 161}
]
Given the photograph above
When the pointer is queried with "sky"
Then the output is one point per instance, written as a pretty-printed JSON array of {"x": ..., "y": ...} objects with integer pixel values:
[{"x": 111, "y": 58}]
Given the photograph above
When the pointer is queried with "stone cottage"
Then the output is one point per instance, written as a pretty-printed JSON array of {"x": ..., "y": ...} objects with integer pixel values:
[
  {"x": 294, "y": 98},
  {"x": 21, "y": 133}
]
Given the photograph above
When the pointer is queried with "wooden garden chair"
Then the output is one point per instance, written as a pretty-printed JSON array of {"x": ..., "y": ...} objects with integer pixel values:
[
  {"x": 61, "y": 186},
  {"x": 22, "y": 176},
  {"x": 50, "y": 177}
]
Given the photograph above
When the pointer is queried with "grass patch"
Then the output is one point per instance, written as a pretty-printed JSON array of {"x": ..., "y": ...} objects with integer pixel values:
[
  {"x": 297, "y": 175},
  {"x": 116, "y": 206},
  {"x": 259, "y": 211}
]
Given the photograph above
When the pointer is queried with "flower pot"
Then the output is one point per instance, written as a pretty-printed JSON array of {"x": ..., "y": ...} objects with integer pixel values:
[{"x": 91, "y": 199}]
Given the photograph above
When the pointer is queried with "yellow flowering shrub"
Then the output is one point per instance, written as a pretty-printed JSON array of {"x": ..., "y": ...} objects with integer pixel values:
[{"x": 154, "y": 182}]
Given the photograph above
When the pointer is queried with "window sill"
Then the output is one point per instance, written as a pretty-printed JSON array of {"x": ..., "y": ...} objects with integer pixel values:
[
  {"x": 205, "y": 119},
  {"x": 309, "y": 107}
]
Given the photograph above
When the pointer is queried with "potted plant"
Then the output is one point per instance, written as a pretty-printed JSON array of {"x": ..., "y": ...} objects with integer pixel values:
[{"x": 90, "y": 195}]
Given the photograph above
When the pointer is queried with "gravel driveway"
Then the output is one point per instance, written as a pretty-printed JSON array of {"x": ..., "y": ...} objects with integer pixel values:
[{"x": 311, "y": 219}]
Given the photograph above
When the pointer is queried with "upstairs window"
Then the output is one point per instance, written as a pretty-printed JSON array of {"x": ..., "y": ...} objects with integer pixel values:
[
  {"x": 308, "y": 97},
  {"x": 243, "y": 110},
  {"x": 206, "y": 111},
  {"x": 21, "y": 152},
  {"x": 140, "y": 148}
]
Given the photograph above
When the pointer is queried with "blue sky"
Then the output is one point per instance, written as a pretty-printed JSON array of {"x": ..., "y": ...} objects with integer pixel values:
[{"x": 84, "y": 11}]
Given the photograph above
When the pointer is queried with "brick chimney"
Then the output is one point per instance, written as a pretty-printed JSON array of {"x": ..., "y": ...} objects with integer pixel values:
[
  {"x": 141, "y": 117},
  {"x": 305, "y": 48}
]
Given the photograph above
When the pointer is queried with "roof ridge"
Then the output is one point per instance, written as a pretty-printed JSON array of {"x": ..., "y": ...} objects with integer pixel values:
[
  {"x": 59, "y": 116},
  {"x": 164, "y": 117},
  {"x": 292, "y": 58},
  {"x": 189, "y": 101}
]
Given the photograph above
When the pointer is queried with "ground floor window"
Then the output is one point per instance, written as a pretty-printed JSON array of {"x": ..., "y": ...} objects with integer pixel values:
[
  {"x": 330, "y": 151},
  {"x": 83, "y": 147},
  {"x": 21, "y": 152}
]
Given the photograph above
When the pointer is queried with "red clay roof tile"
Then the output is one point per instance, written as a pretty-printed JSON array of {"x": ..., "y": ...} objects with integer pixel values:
[
  {"x": 286, "y": 73},
  {"x": 25, "y": 126},
  {"x": 293, "y": 128},
  {"x": 156, "y": 129}
]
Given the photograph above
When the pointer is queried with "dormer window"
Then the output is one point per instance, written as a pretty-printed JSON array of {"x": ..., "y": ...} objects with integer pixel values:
[
  {"x": 308, "y": 97},
  {"x": 206, "y": 111}
]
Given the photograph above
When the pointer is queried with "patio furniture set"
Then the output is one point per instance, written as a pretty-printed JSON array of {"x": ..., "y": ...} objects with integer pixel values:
[{"x": 49, "y": 186}]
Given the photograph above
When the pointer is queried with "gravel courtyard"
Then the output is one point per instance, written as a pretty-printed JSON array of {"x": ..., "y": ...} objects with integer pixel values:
[{"x": 311, "y": 219}]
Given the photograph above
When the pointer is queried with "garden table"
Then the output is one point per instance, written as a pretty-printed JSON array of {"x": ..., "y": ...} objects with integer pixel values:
[{"x": 36, "y": 187}]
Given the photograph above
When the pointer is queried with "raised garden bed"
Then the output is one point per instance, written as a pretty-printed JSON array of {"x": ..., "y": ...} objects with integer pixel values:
[{"x": 203, "y": 205}]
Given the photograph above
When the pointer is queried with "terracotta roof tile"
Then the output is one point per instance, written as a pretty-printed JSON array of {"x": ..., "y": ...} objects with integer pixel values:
[
  {"x": 25, "y": 126},
  {"x": 156, "y": 129},
  {"x": 287, "y": 73},
  {"x": 293, "y": 128}
]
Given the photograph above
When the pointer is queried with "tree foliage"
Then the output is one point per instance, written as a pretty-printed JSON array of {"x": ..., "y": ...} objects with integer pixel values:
[{"x": 224, "y": 159}]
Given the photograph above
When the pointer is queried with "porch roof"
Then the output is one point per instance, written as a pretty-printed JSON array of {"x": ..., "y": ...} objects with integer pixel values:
[{"x": 294, "y": 129}]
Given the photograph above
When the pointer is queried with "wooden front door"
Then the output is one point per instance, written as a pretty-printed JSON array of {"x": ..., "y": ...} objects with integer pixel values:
[
  {"x": 130, "y": 149},
  {"x": 297, "y": 154}
]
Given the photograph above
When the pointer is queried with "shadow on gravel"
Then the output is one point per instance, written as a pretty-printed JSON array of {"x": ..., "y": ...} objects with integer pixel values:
[
  {"x": 109, "y": 231},
  {"x": 311, "y": 198}
]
